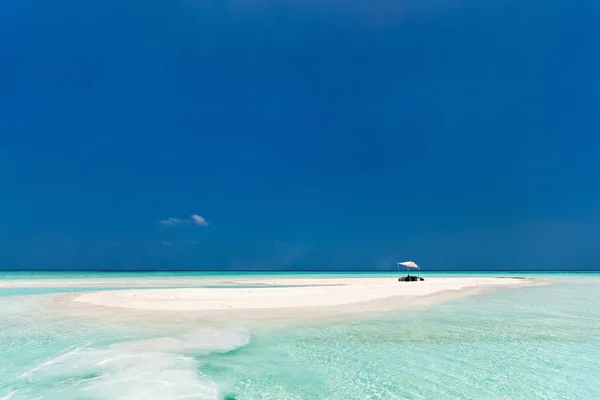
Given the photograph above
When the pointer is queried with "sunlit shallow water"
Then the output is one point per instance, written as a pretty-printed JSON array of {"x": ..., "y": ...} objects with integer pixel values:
[{"x": 534, "y": 342}]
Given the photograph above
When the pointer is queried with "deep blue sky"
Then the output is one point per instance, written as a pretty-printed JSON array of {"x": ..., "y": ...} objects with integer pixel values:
[{"x": 310, "y": 134}]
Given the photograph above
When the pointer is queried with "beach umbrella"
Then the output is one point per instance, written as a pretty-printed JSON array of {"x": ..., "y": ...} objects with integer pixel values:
[{"x": 408, "y": 265}]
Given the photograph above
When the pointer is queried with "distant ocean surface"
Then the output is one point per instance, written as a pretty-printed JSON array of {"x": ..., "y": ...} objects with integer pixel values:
[
  {"x": 527, "y": 343},
  {"x": 218, "y": 274}
]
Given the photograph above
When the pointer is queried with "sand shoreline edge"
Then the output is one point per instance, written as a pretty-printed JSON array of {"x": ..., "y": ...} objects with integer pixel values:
[{"x": 298, "y": 294}]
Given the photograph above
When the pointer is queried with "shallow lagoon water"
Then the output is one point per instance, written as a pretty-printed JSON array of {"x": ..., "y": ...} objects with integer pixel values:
[{"x": 534, "y": 342}]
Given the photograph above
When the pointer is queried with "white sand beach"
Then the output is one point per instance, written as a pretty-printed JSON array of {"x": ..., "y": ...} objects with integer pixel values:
[{"x": 297, "y": 293}]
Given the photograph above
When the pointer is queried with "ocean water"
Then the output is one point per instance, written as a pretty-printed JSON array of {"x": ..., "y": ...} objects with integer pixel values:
[
  {"x": 208, "y": 275},
  {"x": 538, "y": 342}
]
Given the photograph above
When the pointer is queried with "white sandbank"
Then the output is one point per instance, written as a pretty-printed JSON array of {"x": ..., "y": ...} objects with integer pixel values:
[{"x": 324, "y": 292}]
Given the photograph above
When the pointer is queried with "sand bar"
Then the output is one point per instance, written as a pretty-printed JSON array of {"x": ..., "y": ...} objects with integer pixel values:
[{"x": 298, "y": 293}]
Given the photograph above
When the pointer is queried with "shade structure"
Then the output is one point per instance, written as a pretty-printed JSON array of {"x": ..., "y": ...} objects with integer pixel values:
[{"x": 409, "y": 264}]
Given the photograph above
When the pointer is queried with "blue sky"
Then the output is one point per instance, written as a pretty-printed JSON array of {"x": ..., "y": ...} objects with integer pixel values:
[{"x": 305, "y": 134}]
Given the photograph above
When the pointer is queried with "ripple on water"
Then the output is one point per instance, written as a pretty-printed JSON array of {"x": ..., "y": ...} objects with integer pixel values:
[{"x": 503, "y": 345}]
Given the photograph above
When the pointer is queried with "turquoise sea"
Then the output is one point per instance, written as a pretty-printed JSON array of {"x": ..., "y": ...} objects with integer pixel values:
[{"x": 539, "y": 342}]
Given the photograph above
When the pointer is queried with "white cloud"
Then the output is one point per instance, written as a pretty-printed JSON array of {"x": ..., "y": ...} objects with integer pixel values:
[
  {"x": 165, "y": 243},
  {"x": 199, "y": 220},
  {"x": 195, "y": 219},
  {"x": 173, "y": 221}
]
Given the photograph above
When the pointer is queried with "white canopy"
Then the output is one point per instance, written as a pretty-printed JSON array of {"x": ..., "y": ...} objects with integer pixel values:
[{"x": 409, "y": 264}]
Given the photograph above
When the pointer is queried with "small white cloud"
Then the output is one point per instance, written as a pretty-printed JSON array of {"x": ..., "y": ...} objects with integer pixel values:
[
  {"x": 192, "y": 242},
  {"x": 173, "y": 221},
  {"x": 113, "y": 244},
  {"x": 199, "y": 220},
  {"x": 195, "y": 218},
  {"x": 165, "y": 243}
]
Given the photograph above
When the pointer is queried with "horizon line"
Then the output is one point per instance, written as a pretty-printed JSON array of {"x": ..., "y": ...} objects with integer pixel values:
[{"x": 296, "y": 270}]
